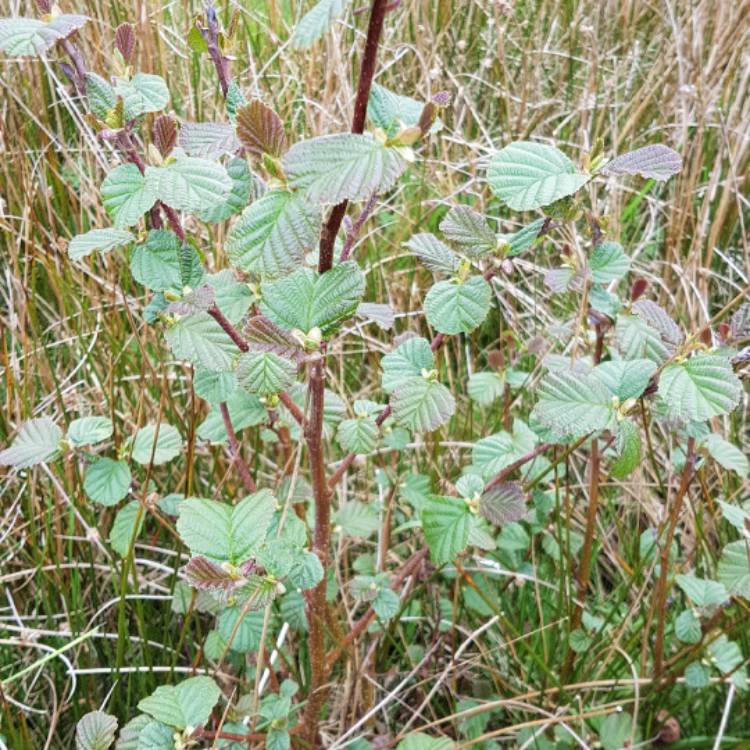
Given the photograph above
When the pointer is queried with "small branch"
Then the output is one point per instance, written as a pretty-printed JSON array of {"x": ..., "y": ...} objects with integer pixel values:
[
  {"x": 79, "y": 66},
  {"x": 293, "y": 409},
  {"x": 229, "y": 329},
  {"x": 351, "y": 237},
  {"x": 347, "y": 460},
  {"x": 221, "y": 63},
  {"x": 361, "y": 625},
  {"x": 234, "y": 450},
  {"x": 660, "y": 593},
  {"x": 366, "y": 74}
]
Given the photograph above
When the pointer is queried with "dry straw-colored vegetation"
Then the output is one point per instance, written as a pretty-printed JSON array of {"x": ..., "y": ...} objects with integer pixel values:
[{"x": 591, "y": 76}]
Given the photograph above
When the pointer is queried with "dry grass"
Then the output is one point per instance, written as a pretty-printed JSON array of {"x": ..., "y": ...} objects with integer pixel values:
[{"x": 591, "y": 75}]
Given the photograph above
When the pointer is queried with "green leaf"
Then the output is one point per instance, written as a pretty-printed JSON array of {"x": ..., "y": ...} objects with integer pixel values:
[
  {"x": 357, "y": 519},
  {"x": 101, "y": 240},
  {"x": 422, "y": 741},
  {"x": 408, "y": 360},
  {"x": 127, "y": 195},
  {"x": 494, "y": 453},
  {"x": 141, "y": 94},
  {"x": 201, "y": 340},
  {"x": 100, "y": 94},
  {"x": 702, "y": 387},
  {"x": 305, "y": 300},
  {"x": 343, "y": 166},
  {"x": 656, "y": 161},
  {"x": 737, "y": 516},
  {"x": 358, "y": 435},
  {"x": 636, "y": 339},
  {"x": 163, "y": 440},
  {"x": 154, "y": 736},
  {"x": 243, "y": 634},
  {"x": 163, "y": 262},
  {"x": 231, "y": 296},
  {"x": 573, "y": 404},
  {"x": 434, "y": 254},
  {"x": 470, "y": 486},
  {"x": 446, "y": 522},
  {"x": 89, "y": 430},
  {"x": 725, "y": 655},
  {"x": 244, "y": 187},
  {"x": 469, "y": 230},
  {"x": 244, "y": 409},
  {"x": 30, "y": 37},
  {"x": 727, "y": 455},
  {"x": 628, "y": 448},
  {"x": 107, "y": 481},
  {"x": 616, "y": 731},
  {"x": 317, "y": 21},
  {"x": 126, "y": 527},
  {"x": 273, "y": 234},
  {"x": 422, "y": 405},
  {"x": 390, "y": 111},
  {"x": 196, "y": 41},
  {"x": 226, "y": 533},
  {"x": 187, "y": 704},
  {"x": 37, "y": 442},
  {"x": 95, "y": 731},
  {"x": 455, "y": 307},
  {"x": 701, "y": 591},
  {"x": 625, "y": 379},
  {"x": 485, "y": 387},
  {"x": 697, "y": 675},
  {"x": 191, "y": 184},
  {"x": 687, "y": 627},
  {"x": 264, "y": 373},
  {"x": 129, "y": 734},
  {"x": 608, "y": 263},
  {"x": 516, "y": 242},
  {"x": 734, "y": 568},
  {"x": 214, "y": 387},
  {"x": 527, "y": 175}
]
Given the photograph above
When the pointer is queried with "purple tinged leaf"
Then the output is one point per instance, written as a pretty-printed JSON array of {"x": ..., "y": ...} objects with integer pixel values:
[
  {"x": 382, "y": 315},
  {"x": 656, "y": 161},
  {"x": 659, "y": 319},
  {"x": 209, "y": 140},
  {"x": 201, "y": 573},
  {"x": 503, "y": 503},
  {"x": 739, "y": 325},
  {"x": 262, "y": 335},
  {"x": 125, "y": 40},
  {"x": 165, "y": 134},
  {"x": 260, "y": 130},
  {"x": 193, "y": 302}
]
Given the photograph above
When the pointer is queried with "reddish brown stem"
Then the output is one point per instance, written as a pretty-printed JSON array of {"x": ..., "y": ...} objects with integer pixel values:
[
  {"x": 361, "y": 625},
  {"x": 660, "y": 593},
  {"x": 230, "y": 330},
  {"x": 315, "y": 599},
  {"x": 366, "y": 74},
  {"x": 347, "y": 460},
  {"x": 234, "y": 450},
  {"x": 221, "y": 63}
]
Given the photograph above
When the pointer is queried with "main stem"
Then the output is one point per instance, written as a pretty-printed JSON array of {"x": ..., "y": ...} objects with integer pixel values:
[{"x": 316, "y": 604}]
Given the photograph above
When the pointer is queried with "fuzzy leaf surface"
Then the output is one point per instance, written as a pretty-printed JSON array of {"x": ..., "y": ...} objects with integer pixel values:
[
  {"x": 526, "y": 175},
  {"x": 273, "y": 234},
  {"x": 342, "y": 166}
]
